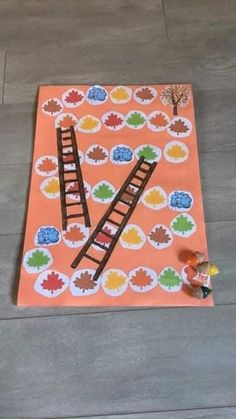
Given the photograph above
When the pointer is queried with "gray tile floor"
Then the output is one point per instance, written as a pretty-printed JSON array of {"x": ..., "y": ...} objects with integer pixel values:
[{"x": 104, "y": 363}]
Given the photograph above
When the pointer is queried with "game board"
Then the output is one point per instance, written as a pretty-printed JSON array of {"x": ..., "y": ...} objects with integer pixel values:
[{"x": 130, "y": 153}]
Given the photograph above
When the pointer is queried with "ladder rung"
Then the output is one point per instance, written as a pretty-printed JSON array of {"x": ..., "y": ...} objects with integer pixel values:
[
  {"x": 139, "y": 177},
  {"x": 69, "y": 171},
  {"x": 74, "y": 215},
  {"x": 129, "y": 193},
  {"x": 113, "y": 222},
  {"x": 72, "y": 192},
  {"x": 67, "y": 145},
  {"x": 148, "y": 164},
  {"x": 100, "y": 245},
  {"x": 68, "y": 154},
  {"x": 124, "y": 202},
  {"x": 142, "y": 170},
  {"x": 119, "y": 212},
  {"x": 65, "y": 130},
  {"x": 70, "y": 180},
  {"x": 68, "y": 161},
  {"x": 106, "y": 234},
  {"x": 92, "y": 258},
  {"x": 134, "y": 184},
  {"x": 72, "y": 204}
]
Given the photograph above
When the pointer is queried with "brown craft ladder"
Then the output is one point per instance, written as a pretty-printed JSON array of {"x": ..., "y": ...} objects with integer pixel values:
[
  {"x": 134, "y": 177},
  {"x": 66, "y": 140}
]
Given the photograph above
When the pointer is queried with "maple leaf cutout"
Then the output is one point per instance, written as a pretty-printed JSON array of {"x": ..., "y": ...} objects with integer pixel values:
[
  {"x": 131, "y": 236},
  {"x": 179, "y": 127},
  {"x": 120, "y": 94},
  {"x": 89, "y": 123},
  {"x": 97, "y": 154},
  {"x": 67, "y": 122},
  {"x": 74, "y": 234},
  {"x": 52, "y": 106},
  {"x": 160, "y": 235},
  {"x": 74, "y": 97},
  {"x": 52, "y": 283},
  {"x": 176, "y": 152},
  {"x": 114, "y": 280},
  {"x": 113, "y": 120},
  {"x": 154, "y": 198},
  {"x": 159, "y": 120},
  {"x": 47, "y": 165},
  {"x": 102, "y": 238},
  {"x": 52, "y": 186},
  {"x": 85, "y": 282},
  {"x": 145, "y": 94},
  {"x": 141, "y": 278}
]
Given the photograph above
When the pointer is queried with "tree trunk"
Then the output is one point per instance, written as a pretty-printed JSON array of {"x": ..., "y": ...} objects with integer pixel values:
[{"x": 175, "y": 109}]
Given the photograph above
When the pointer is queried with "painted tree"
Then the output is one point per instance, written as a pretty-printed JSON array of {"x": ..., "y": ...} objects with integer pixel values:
[
  {"x": 131, "y": 236},
  {"x": 176, "y": 152},
  {"x": 113, "y": 120},
  {"x": 74, "y": 234},
  {"x": 169, "y": 278},
  {"x": 141, "y": 278},
  {"x": 52, "y": 186},
  {"x": 179, "y": 127},
  {"x": 102, "y": 238},
  {"x": 74, "y": 97},
  {"x": 38, "y": 259},
  {"x": 103, "y": 192},
  {"x": 67, "y": 122},
  {"x": 52, "y": 106},
  {"x": 175, "y": 96},
  {"x": 154, "y": 197},
  {"x": 144, "y": 93},
  {"x": 159, "y": 120},
  {"x": 182, "y": 224},
  {"x": 52, "y": 283},
  {"x": 114, "y": 280},
  {"x": 47, "y": 165},
  {"x": 160, "y": 235},
  {"x": 120, "y": 94},
  {"x": 89, "y": 123},
  {"x": 97, "y": 154},
  {"x": 147, "y": 152},
  {"x": 85, "y": 282},
  {"x": 135, "y": 119}
]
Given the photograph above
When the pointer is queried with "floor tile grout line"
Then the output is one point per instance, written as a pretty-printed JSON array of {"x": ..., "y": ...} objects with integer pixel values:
[
  {"x": 165, "y": 20},
  {"x": 124, "y": 311},
  {"x": 4, "y": 77},
  {"x": 189, "y": 409}
]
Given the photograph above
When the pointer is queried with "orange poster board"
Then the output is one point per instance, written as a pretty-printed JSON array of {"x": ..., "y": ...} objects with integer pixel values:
[{"x": 114, "y": 127}]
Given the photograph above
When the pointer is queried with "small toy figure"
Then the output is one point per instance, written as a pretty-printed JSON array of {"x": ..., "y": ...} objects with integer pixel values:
[{"x": 198, "y": 273}]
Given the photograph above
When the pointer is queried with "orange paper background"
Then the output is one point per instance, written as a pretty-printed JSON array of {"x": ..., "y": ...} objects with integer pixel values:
[{"x": 43, "y": 211}]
